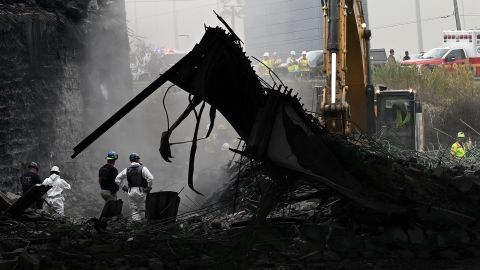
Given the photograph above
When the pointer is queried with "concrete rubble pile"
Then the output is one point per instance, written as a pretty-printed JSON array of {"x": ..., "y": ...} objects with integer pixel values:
[{"x": 312, "y": 227}]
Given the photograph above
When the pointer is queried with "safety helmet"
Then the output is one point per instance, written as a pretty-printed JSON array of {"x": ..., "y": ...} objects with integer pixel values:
[
  {"x": 33, "y": 164},
  {"x": 134, "y": 157},
  {"x": 292, "y": 52},
  {"x": 266, "y": 54},
  {"x": 112, "y": 155},
  {"x": 460, "y": 135},
  {"x": 225, "y": 146},
  {"x": 55, "y": 169},
  {"x": 304, "y": 52}
]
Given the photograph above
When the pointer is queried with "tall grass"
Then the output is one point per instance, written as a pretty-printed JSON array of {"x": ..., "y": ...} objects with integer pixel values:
[
  {"x": 448, "y": 94},
  {"x": 437, "y": 86}
]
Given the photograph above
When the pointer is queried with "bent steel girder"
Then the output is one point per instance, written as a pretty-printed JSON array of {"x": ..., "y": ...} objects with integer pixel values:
[{"x": 271, "y": 122}]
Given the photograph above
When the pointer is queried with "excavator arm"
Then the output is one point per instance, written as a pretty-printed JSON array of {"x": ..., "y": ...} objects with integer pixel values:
[{"x": 347, "y": 101}]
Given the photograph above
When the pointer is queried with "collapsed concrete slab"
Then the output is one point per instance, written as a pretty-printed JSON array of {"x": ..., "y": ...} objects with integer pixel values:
[
  {"x": 28, "y": 198},
  {"x": 162, "y": 206}
]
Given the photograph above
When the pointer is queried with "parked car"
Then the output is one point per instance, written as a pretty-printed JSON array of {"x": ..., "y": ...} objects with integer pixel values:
[
  {"x": 315, "y": 60},
  {"x": 459, "y": 47},
  {"x": 416, "y": 55},
  {"x": 378, "y": 57}
]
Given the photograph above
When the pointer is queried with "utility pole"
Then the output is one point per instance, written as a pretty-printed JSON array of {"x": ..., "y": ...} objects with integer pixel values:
[
  {"x": 233, "y": 13},
  {"x": 233, "y": 17},
  {"x": 457, "y": 16},
  {"x": 419, "y": 26},
  {"x": 135, "y": 16},
  {"x": 175, "y": 23}
]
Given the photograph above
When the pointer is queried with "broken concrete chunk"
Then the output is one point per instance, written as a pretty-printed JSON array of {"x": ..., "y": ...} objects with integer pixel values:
[
  {"x": 314, "y": 232},
  {"x": 162, "y": 206},
  {"x": 462, "y": 183},
  {"x": 416, "y": 236},
  {"x": 7, "y": 264},
  {"x": 28, "y": 261},
  {"x": 155, "y": 264},
  {"x": 5, "y": 202},
  {"x": 29, "y": 197},
  {"x": 403, "y": 253},
  {"x": 442, "y": 216},
  {"x": 392, "y": 235}
]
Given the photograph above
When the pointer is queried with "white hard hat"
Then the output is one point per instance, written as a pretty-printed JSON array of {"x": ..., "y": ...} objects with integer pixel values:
[
  {"x": 292, "y": 53},
  {"x": 266, "y": 54},
  {"x": 225, "y": 146},
  {"x": 304, "y": 52},
  {"x": 55, "y": 169}
]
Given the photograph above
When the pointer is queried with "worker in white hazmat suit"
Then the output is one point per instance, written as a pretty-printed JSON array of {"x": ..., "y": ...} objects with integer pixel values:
[
  {"x": 55, "y": 200},
  {"x": 138, "y": 184}
]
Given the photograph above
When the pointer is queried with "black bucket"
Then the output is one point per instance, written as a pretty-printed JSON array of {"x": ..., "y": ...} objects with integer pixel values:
[{"x": 162, "y": 205}]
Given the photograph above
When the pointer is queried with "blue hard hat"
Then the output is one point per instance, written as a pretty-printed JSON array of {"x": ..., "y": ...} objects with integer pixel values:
[
  {"x": 112, "y": 155},
  {"x": 33, "y": 164},
  {"x": 134, "y": 157}
]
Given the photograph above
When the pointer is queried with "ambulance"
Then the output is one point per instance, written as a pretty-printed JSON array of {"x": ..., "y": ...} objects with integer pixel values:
[{"x": 459, "y": 47}]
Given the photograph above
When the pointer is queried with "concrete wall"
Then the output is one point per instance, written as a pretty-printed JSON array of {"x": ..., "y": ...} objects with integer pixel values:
[
  {"x": 60, "y": 75},
  {"x": 40, "y": 88},
  {"x": 283, "y": 25}
]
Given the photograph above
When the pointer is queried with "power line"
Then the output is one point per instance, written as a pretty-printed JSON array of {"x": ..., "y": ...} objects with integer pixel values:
[
  {"x": 153, "y": 1},
  {"x": 411, "y": 22},
  {"x": 178, "y": 10}
]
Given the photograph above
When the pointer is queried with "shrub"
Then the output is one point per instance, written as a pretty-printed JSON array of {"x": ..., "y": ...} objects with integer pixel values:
[{"x": 448, "y": 95}]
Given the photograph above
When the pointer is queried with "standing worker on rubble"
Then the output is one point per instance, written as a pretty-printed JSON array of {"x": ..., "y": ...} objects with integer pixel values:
[
  {"x": 304, "y": 66},
  {"x": 266, "y": 65},
  {"x": 55, "y": 200},
  {"x": 30, "y": 179},
  {"x": 292, "y": 63},
  {"x": 106, "y": 178},
  {"x": 276, "y": 61},
  {"x": 458, "y": 149},
  {"x": 139, "y": 182}
]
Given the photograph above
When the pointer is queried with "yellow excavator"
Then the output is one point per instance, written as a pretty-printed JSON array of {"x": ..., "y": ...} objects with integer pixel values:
[{"x": 349, "y": 102}]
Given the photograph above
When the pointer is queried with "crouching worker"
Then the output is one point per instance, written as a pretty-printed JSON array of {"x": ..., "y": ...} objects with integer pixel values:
[
  {"x": 139, "y": 182},
  {"x": 55, "y": 200}
]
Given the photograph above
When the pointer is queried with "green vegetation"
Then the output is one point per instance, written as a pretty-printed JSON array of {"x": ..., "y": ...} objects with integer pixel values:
[
  {"x": 436, "y": 86},
  {"x": 448, "y": 94}
]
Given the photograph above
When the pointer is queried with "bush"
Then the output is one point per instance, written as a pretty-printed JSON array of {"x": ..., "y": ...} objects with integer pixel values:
[{"x": 448, "y": 95}]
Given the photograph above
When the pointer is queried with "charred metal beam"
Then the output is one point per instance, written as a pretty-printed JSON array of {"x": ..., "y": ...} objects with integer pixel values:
[{"x": 121, "y": 113}]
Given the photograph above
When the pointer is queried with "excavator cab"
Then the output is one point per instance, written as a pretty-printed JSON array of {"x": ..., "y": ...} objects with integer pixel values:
[{"x": 399, "y": 117}]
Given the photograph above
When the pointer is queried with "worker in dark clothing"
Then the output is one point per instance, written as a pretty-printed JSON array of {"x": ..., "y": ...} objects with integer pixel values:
[
  {"x": 106, "y": 177},
  {"x": 406, "y": 57},
  {"x": 30, "y": 179},
  {"x": 391, "y": 57}
]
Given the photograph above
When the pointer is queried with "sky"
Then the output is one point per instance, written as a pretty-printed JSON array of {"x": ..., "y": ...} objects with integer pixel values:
[
  {"x": 154, "y": 21},
  {"x": 392, "y": 21}
]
